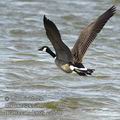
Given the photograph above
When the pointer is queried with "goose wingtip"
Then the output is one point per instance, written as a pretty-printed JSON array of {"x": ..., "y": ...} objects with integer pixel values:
[
  {"x": 44, "y": 18},
  {"x": 113, "y": 8}
]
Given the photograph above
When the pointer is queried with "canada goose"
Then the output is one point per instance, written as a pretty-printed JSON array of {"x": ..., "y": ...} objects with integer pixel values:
[{"x": 68, "y": 60}]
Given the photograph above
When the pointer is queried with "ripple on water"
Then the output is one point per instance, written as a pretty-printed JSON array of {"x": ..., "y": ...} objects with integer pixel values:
[{"x": 32, "y": 87}]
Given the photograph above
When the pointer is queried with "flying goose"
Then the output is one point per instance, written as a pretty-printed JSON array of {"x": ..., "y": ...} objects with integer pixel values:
[{"x": 71, "y": 60}]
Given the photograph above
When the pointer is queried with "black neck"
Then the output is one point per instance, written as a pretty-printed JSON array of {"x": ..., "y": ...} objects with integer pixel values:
[{"x": 51, "y": 53}]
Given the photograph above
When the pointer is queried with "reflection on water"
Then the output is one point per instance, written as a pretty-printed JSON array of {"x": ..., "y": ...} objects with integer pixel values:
[{"x": 32, "y": 87}]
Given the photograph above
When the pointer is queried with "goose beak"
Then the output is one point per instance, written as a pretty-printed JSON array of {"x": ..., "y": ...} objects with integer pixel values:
[{"x": 40, "y": 49}]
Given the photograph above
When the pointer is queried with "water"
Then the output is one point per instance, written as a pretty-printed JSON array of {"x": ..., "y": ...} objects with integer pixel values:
[{"x": 32, "y": 87}]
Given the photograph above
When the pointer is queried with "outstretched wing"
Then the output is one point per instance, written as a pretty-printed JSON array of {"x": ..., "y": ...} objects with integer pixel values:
[
  {"x": 89, "y": 33},
  {"x": 62, "y": 51}
]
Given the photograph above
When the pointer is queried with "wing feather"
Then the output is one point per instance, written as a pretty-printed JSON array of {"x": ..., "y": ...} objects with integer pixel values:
[
  {"x": 89, "y": 33},
  {"x": 62, "y": 51}
]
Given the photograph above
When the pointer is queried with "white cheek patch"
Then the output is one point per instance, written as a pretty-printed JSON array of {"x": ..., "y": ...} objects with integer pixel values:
[{"x": 44, "y": 49}]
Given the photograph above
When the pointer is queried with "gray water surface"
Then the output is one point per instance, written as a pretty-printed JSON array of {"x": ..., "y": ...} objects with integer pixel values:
[{"x": 31, "y": 85}]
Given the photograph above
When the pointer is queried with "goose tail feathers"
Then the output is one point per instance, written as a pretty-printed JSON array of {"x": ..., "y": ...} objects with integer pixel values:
[{"x": 82, "y": 71}]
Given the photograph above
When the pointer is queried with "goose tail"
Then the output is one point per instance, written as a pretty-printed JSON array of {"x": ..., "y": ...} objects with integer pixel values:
[{"x": 84, "y": 72}]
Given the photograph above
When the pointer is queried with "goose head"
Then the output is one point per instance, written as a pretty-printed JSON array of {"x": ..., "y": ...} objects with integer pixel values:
[{"x": 48, "y": 50}]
